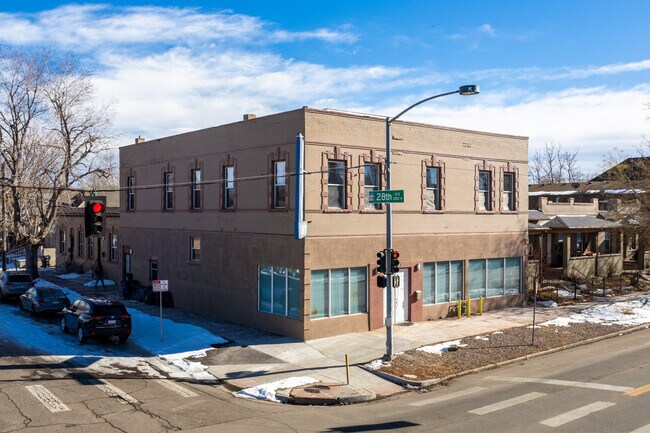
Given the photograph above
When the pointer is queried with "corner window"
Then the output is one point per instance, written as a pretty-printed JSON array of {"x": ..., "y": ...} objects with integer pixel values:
[
  {"x": 229, "y": 187},
  {"x": 443, "y": 282},
  {"x": 509, "y": 192},
  {"x": 196, "y": 189},
  {"x": 130, "y": 193},
  {"x": 279, "y": 291},
  {"x": 168, "y": 198},
  {"x": 338, "y": 292},
  {"x": 370, "y": 183},
  {"x": 484, "y": 190},
  {"x": 494, "y": 277},
  {"x": 279, "y": 185},
  {"x": 195, "y": 249},
  {"x": 336, "y": 185},
  {"x": 433, "y": 188}
]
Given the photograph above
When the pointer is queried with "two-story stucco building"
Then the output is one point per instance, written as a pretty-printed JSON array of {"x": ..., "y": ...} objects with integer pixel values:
[{"x": 214, "y": 211}]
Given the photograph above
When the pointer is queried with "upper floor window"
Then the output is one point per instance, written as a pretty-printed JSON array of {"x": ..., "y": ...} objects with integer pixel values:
[
  {"x": 195, "y": 249},
  {"x": 336, "y": 185},
  {"x": 130, "y": 193},
  {"x": 196, "y": 189},
  {"x": 370, "y": 183},
  {"x": 509, "y": 191},
  {"x": 484, "y": 190},
  {"x": 168, "y": 198},
  {"x": 279, "y": 185},
  {"x": 229, "y": 187},
  {"x": 112, "y": 244},
  {"x": 433, "y": 188}
]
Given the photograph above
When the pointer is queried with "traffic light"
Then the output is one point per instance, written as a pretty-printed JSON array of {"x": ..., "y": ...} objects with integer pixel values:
[
  {"x": 381, "y": 281},
  {"x": 95, "y": 216},
  {"x": 394, "y": 261},
  {"x": 381, "y": 263}
]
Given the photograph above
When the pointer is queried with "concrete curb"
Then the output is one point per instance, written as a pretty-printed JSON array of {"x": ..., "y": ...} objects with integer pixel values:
[
  {"x": 431, "y": 382},
  {"x": 344, "y": 394}
]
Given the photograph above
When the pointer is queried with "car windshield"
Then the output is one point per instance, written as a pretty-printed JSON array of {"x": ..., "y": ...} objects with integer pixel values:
[
  {"x": 110, "y": 310},
  {"x": 19, "y": 278},
  {"x": 50, "y": 293}
]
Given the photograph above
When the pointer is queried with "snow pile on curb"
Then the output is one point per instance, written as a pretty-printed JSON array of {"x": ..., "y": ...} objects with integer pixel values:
[
  {"x": 267, "y": 391},
  {"x": 98, "y": 283},
  {"x": 626, "y": 313},
  {"x": 438, "y": 349},
  {"x": 70, "y": 276}
]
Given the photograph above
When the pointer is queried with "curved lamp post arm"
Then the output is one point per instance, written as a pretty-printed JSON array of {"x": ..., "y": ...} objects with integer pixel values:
[{"x": 421, "y": 102}]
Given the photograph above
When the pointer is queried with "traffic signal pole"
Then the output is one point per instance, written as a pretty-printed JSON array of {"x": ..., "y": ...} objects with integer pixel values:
[{"x": 390, "y": 304}]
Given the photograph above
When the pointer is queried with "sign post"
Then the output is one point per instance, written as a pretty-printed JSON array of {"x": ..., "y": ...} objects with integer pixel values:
[{"x": 160, "y": 286}]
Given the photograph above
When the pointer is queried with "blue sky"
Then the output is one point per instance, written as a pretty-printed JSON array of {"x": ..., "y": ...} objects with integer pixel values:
[{"x": 575, "y": 72}]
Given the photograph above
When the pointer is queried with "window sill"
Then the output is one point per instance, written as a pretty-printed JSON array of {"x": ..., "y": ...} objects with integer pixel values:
[
  {"x": 194, "y": 263},
  {"x": 371, "y": 211},
  {"x": 509, "y": 212},
  {"x": 286, "y": 316},
  {"x": 228, "y": 209},
  {"x": 278, "y": 209},
  {"x": 433, "y": 211},
  {"x": 336, "y": 317},
  {"x": 337, "y": 210},
  {"x": 485, "y": 212},
  {"x": 197, "y": 209}
]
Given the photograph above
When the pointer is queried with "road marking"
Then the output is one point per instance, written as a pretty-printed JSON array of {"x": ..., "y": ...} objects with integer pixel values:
[
  {"x": 48, "y": 399},
  {"x": 600, "y": 386},
  {"x": 173, "y": 386},
  {"x": 638, "y": 391},
  {"x": 507, "y": 403},
  {"x": 449, "y": 396},
  {"x": 575, "y": 414},
  {"x": 644, "y": 429},
  {"x": 113, "y": 391}
]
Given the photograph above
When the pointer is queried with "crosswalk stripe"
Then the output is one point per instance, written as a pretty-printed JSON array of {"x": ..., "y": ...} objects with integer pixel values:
[
  {"x": 113, "y": 391},
  {"x": 638, "y": 391},
  {"x": 180, "y": 390},
  {"x": 644, "y": 429},
  {"x": 507, "y": 403},
  {"x": 600, "y": 386},
  {"x": 449, "y": 396},
  {"x": 575, "y": 414},
  {"x": 48, "y": 399}
]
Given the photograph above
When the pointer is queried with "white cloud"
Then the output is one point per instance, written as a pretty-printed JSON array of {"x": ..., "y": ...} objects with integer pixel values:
[{"x": 487, "y": 29}]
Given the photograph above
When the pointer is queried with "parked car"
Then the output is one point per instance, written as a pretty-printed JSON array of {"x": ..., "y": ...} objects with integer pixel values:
[
  {"x": 14, "y": 284},
  {"x": 43, "y": 299},
  {"x": 96, "y": 316}
]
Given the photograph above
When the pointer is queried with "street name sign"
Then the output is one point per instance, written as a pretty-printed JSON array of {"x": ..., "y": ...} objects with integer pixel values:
[{"x": 386, "y": 196}]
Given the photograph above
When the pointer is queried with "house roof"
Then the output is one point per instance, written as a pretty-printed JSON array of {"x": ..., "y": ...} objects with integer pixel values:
[
  {"x": 632, "y": 169},
  {"x": 535, "y": 215},
  {"x": 535, "y": 228},
  {"x": 580, "y": 222},
  {"x": 589, "y": 188}
]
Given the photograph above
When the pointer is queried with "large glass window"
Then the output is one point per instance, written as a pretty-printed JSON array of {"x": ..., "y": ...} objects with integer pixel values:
[
  {"x": 196, "y": 189},
  {"x": 484, "y": 190},
  {"x": 338, "y": 292},
  {"x": 433, "y": 188},
  {"x": 279, "y": 291},
  {"x": 443, "y": 282},
  {"x": 370, "y": 183},
  {"x": 130, "y": 193},
  {"x": 229, "y": 187},
  {"x": 336, "y": 185},
  {"x": 509, "y": 191},
  {"x": 494, "y": 277},
  {"x": 279, "y": 185},
  {"x": 168, "y": 198}
]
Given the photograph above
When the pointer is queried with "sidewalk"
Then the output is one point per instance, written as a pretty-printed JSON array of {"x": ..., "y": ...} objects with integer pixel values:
[{"x": 256, "y": 358}]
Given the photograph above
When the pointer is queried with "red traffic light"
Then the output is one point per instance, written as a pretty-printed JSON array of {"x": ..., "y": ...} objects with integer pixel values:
[
  {"x": 98, "y": 207},
  {"x": 395, "y": 255}
]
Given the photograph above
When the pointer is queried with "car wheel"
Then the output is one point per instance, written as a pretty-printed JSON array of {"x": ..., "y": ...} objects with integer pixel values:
[
  {"x": 81, "y": 335},
  {"x": 123, "y": 338},
  {"x": 64, "y": 327}
]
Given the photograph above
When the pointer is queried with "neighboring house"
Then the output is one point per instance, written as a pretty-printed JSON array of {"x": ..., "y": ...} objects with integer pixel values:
[
  {"x": 74, "y": 252},
  {"x": 220, "y": 228}
]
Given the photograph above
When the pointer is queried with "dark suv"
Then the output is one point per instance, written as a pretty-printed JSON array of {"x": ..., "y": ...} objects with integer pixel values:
[
  {"x": 14, "y": 284},
  {"x": 96, "y": 316}
]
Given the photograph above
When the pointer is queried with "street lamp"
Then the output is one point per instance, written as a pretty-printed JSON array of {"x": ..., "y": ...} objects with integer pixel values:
[{"x": 471, "y": 89}]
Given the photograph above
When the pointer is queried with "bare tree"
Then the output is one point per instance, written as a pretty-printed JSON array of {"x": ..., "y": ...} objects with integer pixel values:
[
  {"x": 52, "y": 138},
  {"x": 554, "y": 164}
]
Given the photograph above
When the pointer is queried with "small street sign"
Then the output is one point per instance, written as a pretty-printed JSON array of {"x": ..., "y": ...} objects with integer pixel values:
[
  {"x": 386, "y": 196},
  {"x": 160, "y": 285}
]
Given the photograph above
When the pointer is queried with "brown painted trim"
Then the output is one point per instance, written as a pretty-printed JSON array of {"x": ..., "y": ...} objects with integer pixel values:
[
  {"x": 370, "y": 158},
  {"x": 336, "y": 155}
]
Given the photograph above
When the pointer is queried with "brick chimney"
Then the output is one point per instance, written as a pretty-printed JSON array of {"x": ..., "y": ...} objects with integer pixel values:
[
  {"x": 139, "y": 139},
  {"x": 249, "y": 117}
]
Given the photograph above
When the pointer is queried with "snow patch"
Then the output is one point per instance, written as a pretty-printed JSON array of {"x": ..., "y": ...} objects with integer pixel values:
[
  {"x": 438, "y": 349},
  {"x": 268, "y": 391},
  {"x": 480, "y": 337},
  {"x": 626, "y": 313},
  {"x": 70, "y": 276}
]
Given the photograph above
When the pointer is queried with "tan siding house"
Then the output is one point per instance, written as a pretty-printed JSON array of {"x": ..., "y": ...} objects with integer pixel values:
[{"x": 215, "y": 208}]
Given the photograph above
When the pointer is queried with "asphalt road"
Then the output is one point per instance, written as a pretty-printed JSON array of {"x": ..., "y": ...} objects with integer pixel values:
[{"x": 594, "y": 388}]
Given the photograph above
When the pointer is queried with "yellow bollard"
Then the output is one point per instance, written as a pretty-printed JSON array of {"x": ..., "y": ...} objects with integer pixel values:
[
  {"x": 460, "y": 307},
  {"x": 469, "y": 307},
  {"x": 347, "y": 368},
  {"x": 480, "y": 306}
]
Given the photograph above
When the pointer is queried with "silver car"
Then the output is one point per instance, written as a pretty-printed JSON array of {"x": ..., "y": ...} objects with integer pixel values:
[
  {"x": 43, "y": 299},
  {"x": 14, "y": 284}
]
